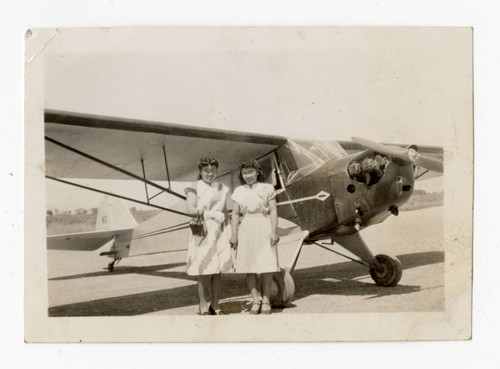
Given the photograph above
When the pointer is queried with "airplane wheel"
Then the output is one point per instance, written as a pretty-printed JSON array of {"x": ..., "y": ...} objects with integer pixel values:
[
  {"x": 111, "y": 266},
  {"x": 390, "y": 271},
  {"x": 282, "y": 289}
]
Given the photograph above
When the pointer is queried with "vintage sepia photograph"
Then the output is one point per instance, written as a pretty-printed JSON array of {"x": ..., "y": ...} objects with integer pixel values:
[{"x": 184, "y": 181}]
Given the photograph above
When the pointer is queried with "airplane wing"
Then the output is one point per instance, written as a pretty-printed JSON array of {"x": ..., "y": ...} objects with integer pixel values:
[
  {"x": 433, "y": 151},
  {"x": 98, "y": 147},
  {"x": 124, "y": 143},
  {"x": 85, "y": 241}
]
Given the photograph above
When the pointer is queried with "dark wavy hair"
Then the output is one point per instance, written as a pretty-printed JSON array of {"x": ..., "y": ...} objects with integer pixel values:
[
  {"x": 261, "y": 177},
  {"x": 205, "y": 162}
]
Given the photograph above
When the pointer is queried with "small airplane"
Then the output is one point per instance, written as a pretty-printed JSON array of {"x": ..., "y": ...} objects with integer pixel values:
[{"x": 327, "y": 191}]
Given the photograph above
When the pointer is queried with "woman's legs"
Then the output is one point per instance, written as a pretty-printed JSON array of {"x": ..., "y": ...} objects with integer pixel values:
[
  {"x": 254, "y": 291},
  {"x": 215, "y": 287},
  {"x": 267, "y": 279},
  {"x": 209, "y": 284},
  {"x": 252, "y": 286},
  {"x": 203, "y": 289}
]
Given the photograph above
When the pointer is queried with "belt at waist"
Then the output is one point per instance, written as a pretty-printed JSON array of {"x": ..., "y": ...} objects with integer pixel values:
[{"x": 250, "y": 215}]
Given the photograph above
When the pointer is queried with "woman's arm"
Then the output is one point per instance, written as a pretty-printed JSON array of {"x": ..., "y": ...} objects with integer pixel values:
[
  {"x": 273, "y": 212},
  {"x": 225, "y": 211},
  {"x": 235, "y": 218},
  {"x": 191, "y": 204}
]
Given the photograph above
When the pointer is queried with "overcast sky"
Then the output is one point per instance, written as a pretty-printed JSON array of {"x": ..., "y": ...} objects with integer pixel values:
[{"x": 402, "y": 85}]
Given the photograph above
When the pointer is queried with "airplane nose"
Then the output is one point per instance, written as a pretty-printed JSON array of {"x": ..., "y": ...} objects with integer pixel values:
[
  {"x": 403, "y": 185},
  {"x": 398, "y": 186}
]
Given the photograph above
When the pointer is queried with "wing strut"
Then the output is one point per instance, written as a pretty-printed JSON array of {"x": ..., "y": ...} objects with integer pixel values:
[
  {"x": 114, "y": 167},
  {"x": 115, "y": 195},
  {"x": 127, "y": 173},
  {"x": 132, "y": 175},
  {"x": 145, "y": 184},
  {"x": 168, "y": 176},
  {"x": 166, "y": 165},
  {"x": 419, "y": 174}
]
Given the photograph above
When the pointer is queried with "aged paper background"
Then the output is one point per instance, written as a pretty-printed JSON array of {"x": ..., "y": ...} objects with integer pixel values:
[
  {"x": 454, "y": 124},
  {"x": 482, "y": 350}
]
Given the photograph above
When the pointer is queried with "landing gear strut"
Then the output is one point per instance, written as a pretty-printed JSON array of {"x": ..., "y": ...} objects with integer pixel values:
[
  {"x": 384, "y": 270},
  {"x": 111, "y": 264}
]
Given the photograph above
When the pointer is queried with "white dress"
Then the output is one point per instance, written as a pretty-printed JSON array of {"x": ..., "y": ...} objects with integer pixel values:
[
  {"x": 210, "y": 254},
  {"x": 255, "y": 253}
]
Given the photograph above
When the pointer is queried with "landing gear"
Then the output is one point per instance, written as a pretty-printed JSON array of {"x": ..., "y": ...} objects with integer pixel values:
[
  {"x": 386, "y": 271},
  {"x": 282, "y": 289},
  {"x": 111, "y": 264}
]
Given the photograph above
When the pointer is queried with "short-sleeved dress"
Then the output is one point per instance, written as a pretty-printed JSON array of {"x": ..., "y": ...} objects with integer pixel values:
[
  {"x": 255, "y": 253},
  {"x": 210, "y": 254}
]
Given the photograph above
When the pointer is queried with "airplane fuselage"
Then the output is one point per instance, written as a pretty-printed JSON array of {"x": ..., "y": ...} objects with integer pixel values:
[{"x": 331, "y": 201}]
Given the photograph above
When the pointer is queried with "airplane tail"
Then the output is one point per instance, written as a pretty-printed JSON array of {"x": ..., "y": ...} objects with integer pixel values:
[
  {"x": 112, "y": 214},
  {"x": 114, "y": 223}
]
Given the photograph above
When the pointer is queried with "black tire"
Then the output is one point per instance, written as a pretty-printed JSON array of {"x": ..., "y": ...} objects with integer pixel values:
[
  {"x": 282, "y": 289},
  {"x": 390, "y": 272}
]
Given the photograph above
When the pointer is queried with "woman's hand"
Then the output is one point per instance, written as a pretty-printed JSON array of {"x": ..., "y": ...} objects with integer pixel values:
[
  {"x": 234, "y": 239},
  {"x": 218, "y": 216},
  {"x": 274, "y": 222},
  {"x": 274, "y": 238},
  {"x": 235, "y": 218}
]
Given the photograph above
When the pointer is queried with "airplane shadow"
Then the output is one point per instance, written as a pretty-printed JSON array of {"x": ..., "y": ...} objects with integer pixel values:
[
  {"x": 153, "y": 270},
  {"x": 333, "y": 279},
  {"x": 342, "y": 278}
]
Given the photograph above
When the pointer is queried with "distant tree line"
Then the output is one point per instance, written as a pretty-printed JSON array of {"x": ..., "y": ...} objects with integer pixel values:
[
  {"x": 70, "y": 216},
  {"x": 83, "y": 220},
  {"x": 422, "y": 199},
  {"x": 80, "y": 211}
]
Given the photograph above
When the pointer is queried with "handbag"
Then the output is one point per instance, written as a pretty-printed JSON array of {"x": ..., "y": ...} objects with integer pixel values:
[{"x": 197, "y": 226}]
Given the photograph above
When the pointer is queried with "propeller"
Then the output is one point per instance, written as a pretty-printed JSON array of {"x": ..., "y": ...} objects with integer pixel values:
[{"x": 409, "y": 155}]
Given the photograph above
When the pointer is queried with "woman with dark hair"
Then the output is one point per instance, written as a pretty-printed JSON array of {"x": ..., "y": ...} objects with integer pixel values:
[
  {"x": 208, "y": 254},
  {"x": 257, "y": 236}
]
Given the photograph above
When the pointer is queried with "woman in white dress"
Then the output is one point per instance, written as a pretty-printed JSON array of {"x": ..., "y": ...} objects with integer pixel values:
[
  {"x": 209, "y": 255},
  {"x": 257, "y": 236}
]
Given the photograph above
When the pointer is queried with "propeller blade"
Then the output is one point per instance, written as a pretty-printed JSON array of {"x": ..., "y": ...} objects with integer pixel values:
[
  {"x": 385, "y": 150},
  {"x": 430, "y": 163},
  {"x": 410, "y": 155}
]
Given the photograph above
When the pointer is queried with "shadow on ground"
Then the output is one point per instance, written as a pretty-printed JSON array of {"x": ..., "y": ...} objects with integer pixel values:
[
  {"x": 334, "y": 279},
  {"x": 152, "y": 270}
]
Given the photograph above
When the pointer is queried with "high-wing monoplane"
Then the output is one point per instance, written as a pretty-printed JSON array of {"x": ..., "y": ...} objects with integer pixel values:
[{"x": 327, "y": 191}]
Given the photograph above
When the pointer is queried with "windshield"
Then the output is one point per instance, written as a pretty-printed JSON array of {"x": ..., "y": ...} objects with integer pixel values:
[{"x": 307, "y": 156}]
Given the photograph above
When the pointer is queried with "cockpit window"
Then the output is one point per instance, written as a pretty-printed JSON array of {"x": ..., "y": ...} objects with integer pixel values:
[{"x": 302, "y": 157}]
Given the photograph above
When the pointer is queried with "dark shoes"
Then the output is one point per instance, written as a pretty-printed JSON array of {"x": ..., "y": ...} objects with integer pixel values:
[
  {"x": 257, "y": 308},
  {"x": 213, "y": 311}
]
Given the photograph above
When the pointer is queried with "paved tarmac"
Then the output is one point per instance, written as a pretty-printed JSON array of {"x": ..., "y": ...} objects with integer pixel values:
[{"x": 80, "y": 285}]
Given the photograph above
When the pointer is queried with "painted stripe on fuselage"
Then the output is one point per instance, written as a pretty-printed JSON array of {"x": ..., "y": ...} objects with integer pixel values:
[{"x": 322, "y": 196}]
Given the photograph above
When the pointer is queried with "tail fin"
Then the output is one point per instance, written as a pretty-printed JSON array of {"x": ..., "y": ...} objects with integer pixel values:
[{"x": 113, "y": 214}]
